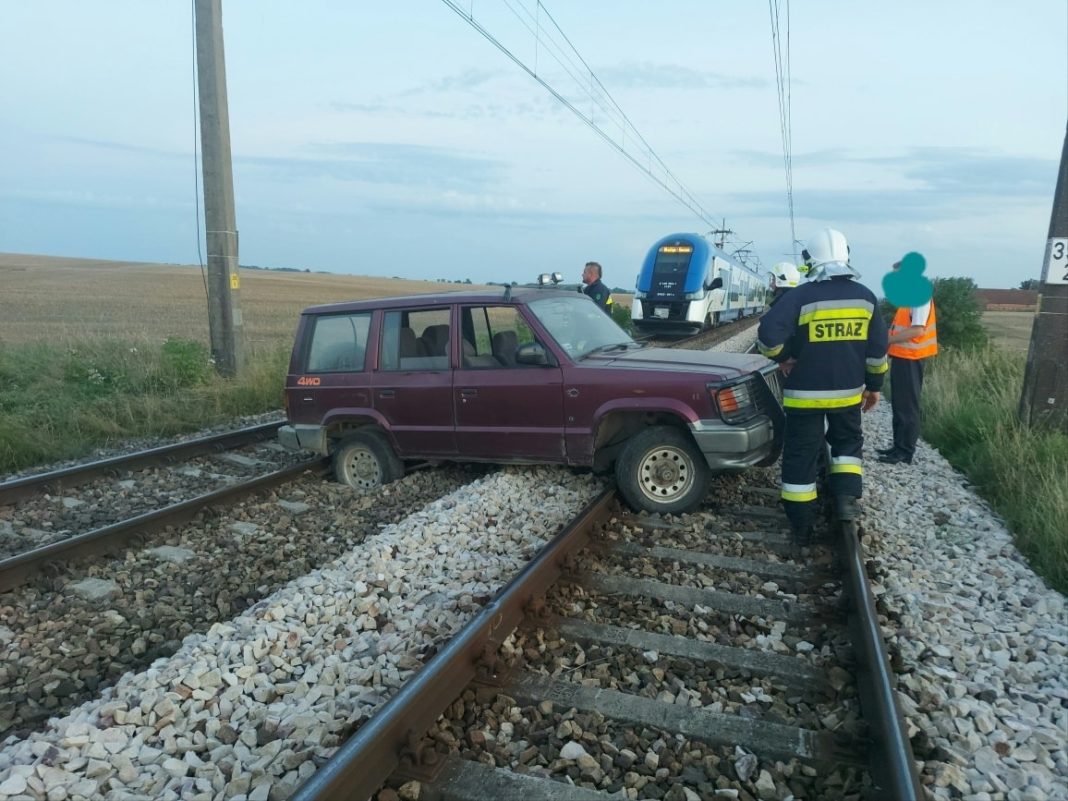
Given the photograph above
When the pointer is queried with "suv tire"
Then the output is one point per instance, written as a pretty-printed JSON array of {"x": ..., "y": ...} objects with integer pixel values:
[
  {"x": 365, "y": 460},
  {"x": 661, "y": 470}
]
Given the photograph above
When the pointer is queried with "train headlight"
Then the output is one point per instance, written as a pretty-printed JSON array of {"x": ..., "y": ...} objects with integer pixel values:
[
  {"x": 639, "y": 295},
  {"x": 695, "y": 295}
]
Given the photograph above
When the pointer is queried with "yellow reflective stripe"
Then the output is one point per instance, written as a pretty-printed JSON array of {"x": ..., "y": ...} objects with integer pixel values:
[
  {"x": 847, "y": 468},
  {"x": 799, "y": 497},
  {"x": 822, "y": 403},
  {"x": 834, "y": 314},
  {"x": 877, "y": 366},
  {"x": 767, "y": 351}
]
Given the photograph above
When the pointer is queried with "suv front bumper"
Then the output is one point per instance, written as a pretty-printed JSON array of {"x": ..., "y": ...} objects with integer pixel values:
[
  {"x": 304, "y": 438},
  {"x": 734, "y": 447}
]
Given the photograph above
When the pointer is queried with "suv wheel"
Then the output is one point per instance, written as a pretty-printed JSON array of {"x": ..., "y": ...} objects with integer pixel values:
[
  {"x": 661, "y": 470},
  {"x": 365, "y": 460}
]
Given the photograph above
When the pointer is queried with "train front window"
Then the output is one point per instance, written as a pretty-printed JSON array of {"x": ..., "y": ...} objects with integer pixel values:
[{"x": 672, "y": 260}]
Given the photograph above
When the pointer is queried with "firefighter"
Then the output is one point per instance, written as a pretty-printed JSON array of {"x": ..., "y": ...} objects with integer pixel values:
[
  {"x": 833, "y": 341},
  {"x": 784, "y": 277}
]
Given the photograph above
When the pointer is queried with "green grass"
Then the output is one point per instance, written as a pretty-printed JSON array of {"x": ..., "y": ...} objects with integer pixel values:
[
  {"x": 59, "y": 402},
  {"x": 969, "y": 406}
]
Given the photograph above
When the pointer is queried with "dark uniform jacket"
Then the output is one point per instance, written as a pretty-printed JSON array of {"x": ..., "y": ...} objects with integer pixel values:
[
  {"x": 600, "y": 294},
  {"x": 834, "y": 330}
]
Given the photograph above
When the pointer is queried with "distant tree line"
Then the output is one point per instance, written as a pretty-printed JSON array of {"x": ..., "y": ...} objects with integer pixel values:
[{"x": 276, "y": 269}]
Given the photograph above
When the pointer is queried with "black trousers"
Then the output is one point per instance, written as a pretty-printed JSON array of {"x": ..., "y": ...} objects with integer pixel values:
[
  {"x": 802, "y": 443},
  {"x": 906, "y": 384}
]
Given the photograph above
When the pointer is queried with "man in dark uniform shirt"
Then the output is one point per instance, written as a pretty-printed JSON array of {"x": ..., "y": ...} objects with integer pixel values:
[{"x": 591, "y": 276}]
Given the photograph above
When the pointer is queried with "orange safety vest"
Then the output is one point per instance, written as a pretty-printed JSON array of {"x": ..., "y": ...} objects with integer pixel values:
[{"x": 921, "y": 347}]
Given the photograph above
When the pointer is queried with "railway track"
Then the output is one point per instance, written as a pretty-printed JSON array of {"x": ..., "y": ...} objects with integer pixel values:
[
  {"x": 695, "y": 657},
  {"x": 190, "y": 535},
  {"x": 56, "y": 481},
  {"x": 110, "y": 511},
  {"x": 704, "y": 339}
]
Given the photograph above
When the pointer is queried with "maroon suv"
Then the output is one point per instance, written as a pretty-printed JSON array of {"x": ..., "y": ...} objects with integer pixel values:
[{"x": 524, "y": 376}]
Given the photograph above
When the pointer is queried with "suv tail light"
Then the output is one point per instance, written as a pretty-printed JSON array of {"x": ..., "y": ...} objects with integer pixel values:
[{"x": 735, "y": 402}]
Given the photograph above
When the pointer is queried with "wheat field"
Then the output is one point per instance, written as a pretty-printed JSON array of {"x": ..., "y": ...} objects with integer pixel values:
[
  {"x": 1010, "y": 329},
  {"x": 64, "y": 300}
]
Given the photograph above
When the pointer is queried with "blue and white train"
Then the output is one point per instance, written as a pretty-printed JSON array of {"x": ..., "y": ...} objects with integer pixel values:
[{"x": 687, "y": 284}]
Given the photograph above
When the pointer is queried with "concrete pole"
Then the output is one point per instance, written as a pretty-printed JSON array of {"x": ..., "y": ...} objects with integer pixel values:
[
  {"x": 224, "y": 283},
  {"x": 1044, "y": 400}
]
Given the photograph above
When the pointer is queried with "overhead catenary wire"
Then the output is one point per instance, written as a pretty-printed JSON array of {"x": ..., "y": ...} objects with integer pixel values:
[
  {"x": 782, "y": 85},
  {"x": 196, "y": 165},
  {"x": 595, "y": 91}
]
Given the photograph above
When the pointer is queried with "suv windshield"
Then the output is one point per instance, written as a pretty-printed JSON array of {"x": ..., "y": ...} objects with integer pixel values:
[{"x": 579, "y": 326}]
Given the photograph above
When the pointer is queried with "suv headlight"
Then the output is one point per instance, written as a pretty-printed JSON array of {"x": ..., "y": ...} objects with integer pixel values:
[
  {"x": 695, "y": 295},
  {"x": 735, "y": 403}
]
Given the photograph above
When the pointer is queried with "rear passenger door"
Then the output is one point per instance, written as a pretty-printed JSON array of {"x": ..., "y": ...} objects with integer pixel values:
[
  {"x": 334, "y": 373},
  {"x": 505, "y": 411},
  {"x": 413, "y": 381}
]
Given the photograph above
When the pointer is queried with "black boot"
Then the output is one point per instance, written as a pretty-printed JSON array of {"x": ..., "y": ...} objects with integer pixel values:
[
  {"x": 884, "y": 451},
  {"x": 802, "y": 535},
  {"x": 846, "y": 507}
]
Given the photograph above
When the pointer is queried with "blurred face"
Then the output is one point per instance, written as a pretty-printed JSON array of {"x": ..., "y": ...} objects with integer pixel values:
[{"x": 589, "y": 275}]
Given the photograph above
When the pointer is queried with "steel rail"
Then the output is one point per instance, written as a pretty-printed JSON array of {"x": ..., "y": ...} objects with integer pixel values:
[
  {"x": 891, "y": 761},
  {"x": 363, "y": 763},
  {"x": 55, "y": 480},
  {"x": 16, "y": 569},
  {"x": 714, "y": 335}
]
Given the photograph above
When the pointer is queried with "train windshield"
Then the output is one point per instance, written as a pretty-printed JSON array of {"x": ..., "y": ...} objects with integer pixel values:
[
  {"x": 579, "y": 326},
  {"x": 672, "y": 260}
]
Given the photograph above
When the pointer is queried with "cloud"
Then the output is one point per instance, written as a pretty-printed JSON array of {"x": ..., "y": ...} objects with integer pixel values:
[
  {"x": 383, "y": 163},
  {"x": 969, "y": 171},
  {"x": 942, "y": 183},
  {"x": 647, "y": 75},
  {"x": 466, "y": 81}
]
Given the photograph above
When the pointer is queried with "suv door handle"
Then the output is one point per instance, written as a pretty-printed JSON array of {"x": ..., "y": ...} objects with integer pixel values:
[
  {"x": 468, "y": 393},
  {"x": 387, "y": 393}
]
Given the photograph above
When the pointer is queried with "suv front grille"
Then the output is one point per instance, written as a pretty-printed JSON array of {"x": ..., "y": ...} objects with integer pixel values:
[{"x": 773, "y": 379}]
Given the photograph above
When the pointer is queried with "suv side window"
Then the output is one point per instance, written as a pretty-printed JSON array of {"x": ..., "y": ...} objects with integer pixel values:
[
  {"x": 491, "y": 336},
  {"x": 415, "y": 340},
  {"x": 338, "y": 343}
]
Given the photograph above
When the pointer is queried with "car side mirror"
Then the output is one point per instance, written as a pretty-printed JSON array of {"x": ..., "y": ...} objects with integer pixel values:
[
  {"x": 717, "y": 283},
  {"x": 532, "y": 353}
]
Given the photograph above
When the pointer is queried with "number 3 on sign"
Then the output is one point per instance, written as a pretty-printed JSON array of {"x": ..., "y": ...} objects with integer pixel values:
[{"x": 1056, "y": 271}]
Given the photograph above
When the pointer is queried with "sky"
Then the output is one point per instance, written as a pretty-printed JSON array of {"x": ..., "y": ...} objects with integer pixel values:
[{"x": 395, "y": 140}]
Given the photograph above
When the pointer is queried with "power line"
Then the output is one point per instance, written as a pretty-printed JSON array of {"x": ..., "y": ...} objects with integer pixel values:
[
  {"x": 196, "y": 135},
  {"x": 782, "y": 85},
  {"x": 595, "y": 92}
]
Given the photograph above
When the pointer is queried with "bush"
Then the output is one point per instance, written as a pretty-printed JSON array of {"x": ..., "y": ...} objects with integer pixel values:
[
  {"x": 621, "y": 317},
  {"x": 960, "y": 322},
  {"x": 184, "y": 363},
  {"x": 959, "y": 318}
]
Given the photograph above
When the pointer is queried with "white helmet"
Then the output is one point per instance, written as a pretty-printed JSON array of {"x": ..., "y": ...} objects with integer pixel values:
[
  {"x": 824, "y": 247},
  {"x": 786, "y": 274}
]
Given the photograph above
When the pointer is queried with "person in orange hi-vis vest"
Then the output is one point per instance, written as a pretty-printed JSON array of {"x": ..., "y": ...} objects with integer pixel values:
[{"x": 913, "y": 339}]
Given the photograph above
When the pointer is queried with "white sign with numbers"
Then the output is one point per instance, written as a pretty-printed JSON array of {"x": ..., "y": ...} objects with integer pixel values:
[{"x": 1055, "y": 270}]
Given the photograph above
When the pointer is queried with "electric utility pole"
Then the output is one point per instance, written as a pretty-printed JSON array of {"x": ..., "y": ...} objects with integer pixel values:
[
  {"x": 1044, "y": 400},
  {"x": 723, "y": 231},
  {"x": 224, "y": 283}
]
